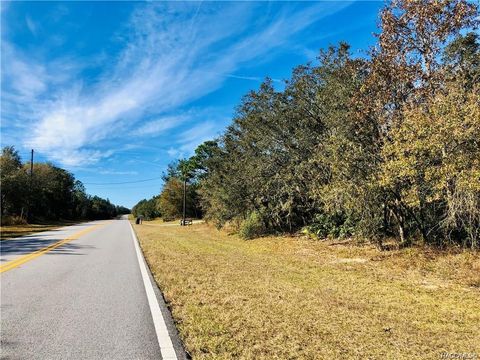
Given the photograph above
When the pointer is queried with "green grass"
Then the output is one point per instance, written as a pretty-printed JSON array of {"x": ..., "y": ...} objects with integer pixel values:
[{"x": 294, "y": 298}]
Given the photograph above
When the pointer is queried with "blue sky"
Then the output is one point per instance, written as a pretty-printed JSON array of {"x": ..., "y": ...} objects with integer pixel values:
[{"x": 114, "y": 91}]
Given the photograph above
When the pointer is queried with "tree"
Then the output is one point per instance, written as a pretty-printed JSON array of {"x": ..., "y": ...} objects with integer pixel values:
[
  {"x": 170, "y": 200},
  {"x": 404, "y": 73},
  {"x": 52, "y": 193},
  {"x": 81, "y": 201},
  {"x": 101, "y": 209},
  {"x": 462, "y": 60},
  {"x": 273, "y": 159},
  {"x": 147, "y": 208},
  {"x": 385, "y": 146},
  {"x": 434, "y": 159},
  {"x": 201, "y": 161},
  {"x": 122, "y": 210},
  {"x": 13, "y": 183}
]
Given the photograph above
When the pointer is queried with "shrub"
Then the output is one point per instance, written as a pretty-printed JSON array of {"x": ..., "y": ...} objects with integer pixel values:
[
  {"x": 253, "y": 226},
  {"x": 336, "y": 225}
]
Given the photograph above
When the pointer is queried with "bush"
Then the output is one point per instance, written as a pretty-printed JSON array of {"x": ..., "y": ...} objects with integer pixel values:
[
  {"x": 335, "y": 225},
  {"x": 253, "y": 226}
]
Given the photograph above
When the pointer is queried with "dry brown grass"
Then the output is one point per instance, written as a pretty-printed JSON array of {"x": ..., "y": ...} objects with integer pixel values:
[{"x": 294, "y": 298}]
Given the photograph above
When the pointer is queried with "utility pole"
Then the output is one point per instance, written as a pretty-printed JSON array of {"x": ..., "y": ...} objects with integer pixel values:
[
  {"x": 31, "y": 169},
  {"x": 30, "y": 192},
  {"x": 184, "y": 199}
]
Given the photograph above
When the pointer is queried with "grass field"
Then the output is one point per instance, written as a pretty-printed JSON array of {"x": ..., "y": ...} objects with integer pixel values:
[{"x": 294, "y": 298}]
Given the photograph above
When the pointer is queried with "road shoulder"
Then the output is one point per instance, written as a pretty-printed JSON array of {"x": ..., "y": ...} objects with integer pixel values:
[{"x": 166, "y": 316}]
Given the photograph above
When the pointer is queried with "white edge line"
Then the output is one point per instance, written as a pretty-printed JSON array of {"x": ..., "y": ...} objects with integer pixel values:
[{"x": 164, "y": 341}]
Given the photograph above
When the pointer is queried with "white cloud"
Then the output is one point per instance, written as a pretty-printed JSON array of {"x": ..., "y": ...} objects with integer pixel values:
[
  {"x": 170, "y": 59},
  {"x": 27, "y": 79},
  {"x": 158, "y": 126},
  {"x": 189, "y": 139},
  {"x": 115, "y": 172},
  {"x": 174, "y": 153},
  {"x": 31, "y": 25},
  {"x": 77, "y": 157},
  {"x": 207, "y": 129}
]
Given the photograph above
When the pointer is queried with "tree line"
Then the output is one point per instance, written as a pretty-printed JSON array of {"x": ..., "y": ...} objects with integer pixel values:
[
  {"x": 380, "y": 147},
  {"x": 169, "y": 203},
  {"x": 50, "y": 193}
]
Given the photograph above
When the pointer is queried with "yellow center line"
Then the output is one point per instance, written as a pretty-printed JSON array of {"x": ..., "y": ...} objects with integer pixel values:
[{"x": 23, "y": 259}]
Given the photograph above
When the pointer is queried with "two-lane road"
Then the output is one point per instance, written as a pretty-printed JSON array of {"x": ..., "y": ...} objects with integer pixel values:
[{"x": 80, "y": 293}]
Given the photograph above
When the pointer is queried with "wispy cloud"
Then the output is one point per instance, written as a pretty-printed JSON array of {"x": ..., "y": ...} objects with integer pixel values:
[
  {"x": 160, "y": 125},
  {"x": 162, "y": 67},
  {"x": 199, "y": 131},
  {"x": 188, "y": 140},
  {"x": 31, "y": 25},
  {"x": 27, "y": 79},
  {"x": 4, "y": 5},
  {"x": 115, "y": 172}
]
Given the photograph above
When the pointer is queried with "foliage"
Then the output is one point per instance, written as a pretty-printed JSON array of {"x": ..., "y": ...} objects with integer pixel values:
[
  {"x": 433, "y": 162},
  {"x": 335, "y": 225},
  {"x": 13, "y": 220},
  {"x": 101, "y": 209},
  {"x": 122, "y": 210},
  {"x": 50, "y": 193},
  {"x": 146, "y": 208},
  {"x": 13, "y": 182},
  {"x": 253, "y": 226},
  {"x": 462, "y": 59},
  {"x": 170, "y": 201},
  {"x": 380, "y": 147}
]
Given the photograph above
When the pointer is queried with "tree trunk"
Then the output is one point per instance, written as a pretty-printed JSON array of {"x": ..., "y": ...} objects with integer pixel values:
[{"x": 402, "y": 232}]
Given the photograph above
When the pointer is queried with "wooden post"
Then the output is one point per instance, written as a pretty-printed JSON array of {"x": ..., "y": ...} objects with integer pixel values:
[{"x": 184, "y": 200}]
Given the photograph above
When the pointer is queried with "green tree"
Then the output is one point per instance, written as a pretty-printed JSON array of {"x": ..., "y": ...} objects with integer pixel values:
[
  {"x": 52, "y": 193},
  {"x": 462, "y": 60},
  {"x": 368, "y": 147},
  {"x": 434, "y": 159},
  {"x": 13, "y": 183},
  {"x": 147, "y": 208},
  {"x": 81, "y": 201},
  {"x": 170, "y": 201},
  {"x": 405, "y": 72}
]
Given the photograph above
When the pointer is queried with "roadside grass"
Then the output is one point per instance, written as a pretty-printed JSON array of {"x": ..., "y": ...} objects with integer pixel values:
[
  {"x": 161, "y": 222},
  {"x": 295, "y": 298},
  {"x": 13, "y": 231},
  {"x": 157, "y": 220}
]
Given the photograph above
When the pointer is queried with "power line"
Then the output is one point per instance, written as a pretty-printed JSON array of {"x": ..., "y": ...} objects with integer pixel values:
[
  {"x": 132, "y": 186},
  {"x": 124, "y": 182}
]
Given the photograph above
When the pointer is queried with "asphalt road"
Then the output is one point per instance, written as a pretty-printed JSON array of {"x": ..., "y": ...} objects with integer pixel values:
[{"x": 82, "y": 297}]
